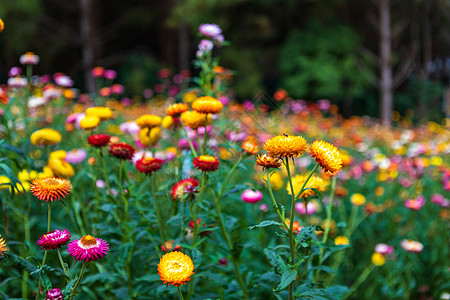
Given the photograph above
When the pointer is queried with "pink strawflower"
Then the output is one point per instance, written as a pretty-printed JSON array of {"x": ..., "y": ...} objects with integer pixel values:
[
  {"x": 55, "y": 294},
  {"x": 75, "y": 156},
  {"x": 415, "y": 204},
  {"x": 110, "y": 74},
  {"x": 210, "y": 30},
  {"x": 263, "y": 207},
  {"x": 412, "y": 246},
  {"x": 384, "y": 249},
  {"x": 251, "y": 196},
  {"x": 63, "y": 80},
  {"x": 300, "y": 208},
  {"x": 54, "y": 239},
  {"x": 205, "y": 45},
  {"x": 440, "y": 200},
  {"x": 88, "y": 248}
]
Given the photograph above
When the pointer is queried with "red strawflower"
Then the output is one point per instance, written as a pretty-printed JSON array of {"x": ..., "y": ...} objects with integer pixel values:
[
  {"x": 206, "y": 163},
  {"x": 184, "y": 187},
  {"x": 148, "y": 165},
  {"x": 99, "y": 140},
  {"x": 122, "y": 151}
]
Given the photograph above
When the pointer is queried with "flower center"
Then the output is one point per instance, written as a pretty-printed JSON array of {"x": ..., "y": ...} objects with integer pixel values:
[
  {"x": 207, "y": 158},
  {"x": 148, "y": 160},
  {"x": 88, "y": 240}
]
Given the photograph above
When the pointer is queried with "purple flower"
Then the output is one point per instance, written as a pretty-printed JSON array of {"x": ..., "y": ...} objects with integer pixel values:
[
  {"x": 101, "y": 184},
  {"x": 15, "y": 71},
  {"x": 251, "y": 196},
  {"x": 110, "y": 74},
  {"x": 210, "y": 30},
  {"x": 205, "y": 46},
  {"x": 75, "y": 156}
]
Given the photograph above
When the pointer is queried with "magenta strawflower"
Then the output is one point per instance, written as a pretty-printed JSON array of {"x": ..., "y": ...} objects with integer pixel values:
[
  {"x": 54, "y": 239},
  {"x": 55, "y": 294},
  {"x": 88, "y": 248},
  {"x": 251, "y": 196}
]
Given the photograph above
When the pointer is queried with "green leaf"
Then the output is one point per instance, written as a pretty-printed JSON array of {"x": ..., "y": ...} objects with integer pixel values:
[
  {"x": 275, "y": 260},
  {"x": 68, "y": 287},
  {"x": 316, "y": 294},
  {"x": 149, "y": 278},
  {"x": 286, "y": 280},
  {"x": 264, "y": 224}
]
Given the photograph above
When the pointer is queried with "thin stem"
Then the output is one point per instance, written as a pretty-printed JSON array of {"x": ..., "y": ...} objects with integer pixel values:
[
  {"x": 327, "y": 226},
  {"x": 40, "y": 280},
  {"x": 291, "y": 226},
  {"x": 61, "y": 261},
  {"x": 189, "y": 140},
  {"x": 180, "y": 294},
  {"x": 224, "y": 229},
  {"x": 205, "y": 134},
  {"x": 49, "y": 216},
  {"x": 275, "y": 203},
  {"x": 83, "y": 269},
  {"x": 158, "y": 214},
  {"x": 291, "y": 223}
]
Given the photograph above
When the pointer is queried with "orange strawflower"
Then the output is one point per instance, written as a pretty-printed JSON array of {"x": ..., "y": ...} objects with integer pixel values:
[
  {"x": 193, "y": 119},
  {"x": 175, "y": 268},
  {"x": 51, "y": 188},
  {"x": 285, "y": 146},
  {"x": 296, "y": 227},
  {"x": 250, "y": 146},
  {"x": 268, "y": 162},
  {"x": 327, "y": 155},
  {"x": 176, "y": 109},
  {"x": 148, "y": 121},
  {"x": 2, "y": 245},
  {"x": 207, "y": 105}
]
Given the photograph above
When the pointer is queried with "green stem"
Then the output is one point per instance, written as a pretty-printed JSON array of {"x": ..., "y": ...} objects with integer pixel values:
[
  {"x": 224, "y": 230},
  {"x": 83, "y": 269},
  {"x": 205, "y": 134},
  {"x": 291, "y": 226},
  {"x": 40, "y": 280},
  {"x": 180, "y": 294},
  {"x": 291, "y": 223},
  {"x": 158, "y": 214},
  {"x": 327, "y": 226},
  {"x": 189, "y": 140},
  {"x": 275, "y": 203},
  {"x": 360, "y": 280},
  {"x": 62, "y": 263},
  {"x": 49, "y": 218}
]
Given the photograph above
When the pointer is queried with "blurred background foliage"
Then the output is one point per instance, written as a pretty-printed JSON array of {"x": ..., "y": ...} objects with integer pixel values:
[{"x": 312, "y": 48}]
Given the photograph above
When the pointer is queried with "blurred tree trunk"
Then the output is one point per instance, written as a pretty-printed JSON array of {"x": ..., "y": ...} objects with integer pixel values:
[
  {"x": 90, "y": 42},
  {"x": 386, "y": 84},
  {"x": 183, "y": 46}
]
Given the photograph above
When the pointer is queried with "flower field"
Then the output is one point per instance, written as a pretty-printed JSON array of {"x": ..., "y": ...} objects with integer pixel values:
[{"x": 192, "y": 194}]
